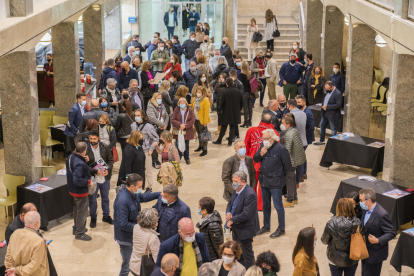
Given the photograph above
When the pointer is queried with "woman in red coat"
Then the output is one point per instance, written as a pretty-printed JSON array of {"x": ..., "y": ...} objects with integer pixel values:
[
  {"x": 253, "y": 140},
  {"x": 49, "y": 86},
  {"x": 173, "y": 63},
  {"x": 183, "y": 118}
]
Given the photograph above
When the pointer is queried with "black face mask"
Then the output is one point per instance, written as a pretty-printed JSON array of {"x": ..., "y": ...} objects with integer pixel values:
[
  {"x": 224, "y": 42},
  {"x": 234, "y": 56},
  {"x": 292, "y": 61},
  {"x": 94, "y": 143},
  {"x": 265, "y": 270},
  {"x": 205, "y": 40},
  {"x": 124, "y": 70},
  {"x": 282, "y": 104},
  {"x": 49, "y": 60},
  {"x": 327, "y": 90},
  {"x": 102, "y": 125},
  {"x": 300, "y": 106},
  {"x": 141, "y": 142}
]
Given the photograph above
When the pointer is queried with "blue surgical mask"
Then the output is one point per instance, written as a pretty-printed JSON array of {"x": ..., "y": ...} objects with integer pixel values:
[
  {"x": 136, "y": 52},
  {"x": 238, "y": 64},
  {"x": 164, "y": 200},
  {"x": 182, "y": 106},
  {"x": 138, "y": 119},
  {"x": 199, "y": 211},
  {"x": 83, "y": 103},
  {"x": 104, "y": 104},
  {"x": 363, "y": 206},
  {"x": 241, "y": 152},
  {"x": 138, "y": 191},
  {"x": 159, "y": 101},
  {"x": 171, "y": 80}
]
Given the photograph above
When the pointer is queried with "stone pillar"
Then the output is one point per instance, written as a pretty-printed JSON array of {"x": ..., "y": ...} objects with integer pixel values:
[
  {"x": 20, "y": 114},
  {"x": 404, "y": 9},
  {"x": 361, "y": 47},
  {"x": 19, "y": 8},
  {"x": 66, "y": 71},
  {"x": 113, "y": 27},
  {"x": 399, "y": 142},
  {"x": 314, "y": 15},
  {"x": 332, "y": 39},
  {"x": 94, "y": 41}
]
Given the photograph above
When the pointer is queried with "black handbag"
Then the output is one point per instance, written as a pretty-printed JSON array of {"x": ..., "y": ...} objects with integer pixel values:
[
  {"x": 276, "y": 33},
  {"x": 257, "y": 37},
  {"x": 147, "y": 262}
]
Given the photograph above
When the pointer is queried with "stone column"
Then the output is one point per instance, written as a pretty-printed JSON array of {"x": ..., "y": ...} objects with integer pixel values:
[
  {"x": 65, "y": 41},
  {"x": 361, "y": 47},
  {"x": 20, "y": 114},
  {"x": 332, "y": 40},
  {"x": 399, "y": 142},
  {"x": 19, "y": 8},
  {"x": 113, "y": 27},
  {"x": 314, "y": 15},
  {"x": 94, "y": 41}
]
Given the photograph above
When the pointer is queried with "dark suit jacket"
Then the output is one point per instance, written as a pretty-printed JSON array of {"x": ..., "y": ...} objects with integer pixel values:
[
  {"x": 275, "y": 120},
  {"x": 245, "y": 218},
  {"x": 127, "y": 58},
  {"x": 75, "y": 118},
  {"x": 379, "y": 225},
  {"x": 333, "y": 108},
  {"x": 157, "y": 272},
  {"x": 310, "y": 126},
  {"x": 231, "y": 104}
]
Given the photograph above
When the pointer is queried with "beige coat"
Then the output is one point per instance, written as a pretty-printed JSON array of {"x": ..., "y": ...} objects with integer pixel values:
[
  {"x": 249, "y": 38},
  {"x": 236, "y": 270},
  {"x": 141, "y": 238},
  {"x": 199, "y": 37},
  {"x": 272, "y": 70},
  {"x": 27, "y": 253},
  {"x": 208, "y": 49}
]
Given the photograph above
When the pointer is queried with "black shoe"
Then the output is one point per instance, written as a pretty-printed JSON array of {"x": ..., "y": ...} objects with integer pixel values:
[
  {"x": 263, "y": 230},
  {"x": 148, "y": 190},
  {"x": 74, "y": 230},
  {"x": 93, "y": 223},
  {"x": 204, "y": 153},
  {"x": 278, "y": 233},
  {"x": 217, "y": 142},
  {"x": 244, "y": 125},
  {"x": 188, "y": 162},
  {"x": 84, "y": 237},
  {"x": 199, "y": 149},
  {"x": 319, "y": 143},
  {"x": 97, "y": 195},
  {"x": 108, "y": 220}
]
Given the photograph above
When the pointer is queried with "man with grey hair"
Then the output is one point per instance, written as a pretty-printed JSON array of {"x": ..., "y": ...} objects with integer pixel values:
[
  {"x": 169, "y": 264},
  {"x": 93, "y": 113},
  {"x": 242, "y": 217},
  {"x": 135, "y": 96},
  {"x": 170, "y": 209},
  {"x": 27, "y": 251},
  {"x": 111, "y": 93},
  {"x": 128, "y": 56},
  {"x": 152, "y": 46},
  {"x": 208, "y": 269},
  {"x": 272, "y": 108},
  {"x": 198, "y": 52},
  {"x": 275, "y": 165},
  {"x": 213, "y": 62},
  {"x": 238, "y": 162}
]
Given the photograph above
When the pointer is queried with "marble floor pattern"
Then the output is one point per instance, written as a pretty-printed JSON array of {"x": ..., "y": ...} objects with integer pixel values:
[{"x": 101, "y": 256}]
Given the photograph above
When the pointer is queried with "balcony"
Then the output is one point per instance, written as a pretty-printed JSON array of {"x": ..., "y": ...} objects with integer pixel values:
[{"x": 388, "y": 4}]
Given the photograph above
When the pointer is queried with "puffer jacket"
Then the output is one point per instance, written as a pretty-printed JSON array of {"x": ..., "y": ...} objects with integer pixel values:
[
  {"x": 293, "y": 143},
  {"x": 213, "y": 232},
  {"x": 337, "y": 236},
  {"x": 174, "y": 87}
]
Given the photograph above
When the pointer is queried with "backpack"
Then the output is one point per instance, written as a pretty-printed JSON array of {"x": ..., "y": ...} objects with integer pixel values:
[{"x": 170, "y": 173}]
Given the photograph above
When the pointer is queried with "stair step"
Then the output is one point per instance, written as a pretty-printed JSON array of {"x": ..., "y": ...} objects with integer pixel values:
[
  {"x": 287, "y": 31},
  {"x": 260, "y": 19},
  {"x": 279, "y": 41},
  {"x": 241, "y": 25},
  {"x": 282, "y": 35}
]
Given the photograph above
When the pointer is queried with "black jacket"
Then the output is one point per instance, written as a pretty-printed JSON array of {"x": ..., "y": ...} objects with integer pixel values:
[
  {"x": 13, "y": 226},
  {"x": 106, "y": 155},
  {"x": 333, "y": 108},
  {"x": 213, "y": 232},
  {"x": 133, "y": 161},
  {"x": 275, "y": 120},
  {"x": 123, "y": 125},
  {"x": 337, "y": 236},
  {"x": 230, "y": 105},
  {"x": 219, "y": 69},
  {"x": 226, "y": 52}
]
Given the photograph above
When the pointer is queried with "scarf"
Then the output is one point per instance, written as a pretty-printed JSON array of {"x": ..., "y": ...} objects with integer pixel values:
[
  {"x": 297, "y": 58},
  {"x": 150, "y": 78},
  {"x": 316, "y": 83},
  {"x": 197, "y": 106},
  {"x": 199, "y": 259},
  {"x": 195, "y": 73},
  {"x": 261, "y": 66}
]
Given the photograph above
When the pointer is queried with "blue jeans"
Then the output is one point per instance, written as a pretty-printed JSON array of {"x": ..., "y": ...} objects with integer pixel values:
[
  {"x": 192, "y": 28},
  {"x": 93, "y": 205},
  {"x": 301, "y": 169},
  {"x": 324, "y": 124},
  {"x": 126, "y": 252},
  {"x": 346, "y": 271},
  {"x": 267, "y": 195},
  {"x": 170, "y": 31},
  {"x": 263, "y": 81}
]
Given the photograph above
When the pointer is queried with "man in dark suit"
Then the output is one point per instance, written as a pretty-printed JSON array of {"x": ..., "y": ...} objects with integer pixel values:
[
  {"x": 226, "y": 52},
  {"x": 272, "y": 108},
  {"x": 331, "y": 111},
  {"x": 231, "y": 104},
  {"x": 242, "y": 217},
  {"x": 378, "y": 231},
  {"x": 74, "y": 120},
  {"x": 310, "y": 128},
  {"x": 169, "y": 264}
]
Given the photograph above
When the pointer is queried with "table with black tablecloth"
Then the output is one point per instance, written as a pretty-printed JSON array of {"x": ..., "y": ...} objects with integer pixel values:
[
  {"x": 403, "y": 252},
  {"x": 317, "y": 117},
  {"x": 354, "y": 151},
  {"x": 57, "y": 133},
  {"x": 3, "y": 252},
  {"x": 401, "y": 210},
  {"x": 51, "y": 204}
]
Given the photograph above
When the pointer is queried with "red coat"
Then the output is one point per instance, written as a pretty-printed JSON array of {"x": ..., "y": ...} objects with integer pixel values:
[
  {"x": 177, "y": 119},
  {"x": 177, "y": 67}
]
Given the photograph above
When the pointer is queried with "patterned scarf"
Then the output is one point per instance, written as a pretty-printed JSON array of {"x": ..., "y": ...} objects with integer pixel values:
[
  {"x": 316, "y": 83},
  {"x": 199, "y": 259}
]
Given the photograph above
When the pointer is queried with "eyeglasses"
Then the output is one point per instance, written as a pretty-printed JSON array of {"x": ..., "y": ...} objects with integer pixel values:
[{"x": 228, "y": 255}]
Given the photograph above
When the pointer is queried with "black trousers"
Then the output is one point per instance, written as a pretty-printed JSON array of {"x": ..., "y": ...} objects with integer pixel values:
[
  {"x": 270, "y": 44},
  {"x": 199, "y": 129},
  {"x": 123, "y": 142},
  {"x": 234, "y": 132},
  {"x": 371, "y": 269},
  {"x": 247, "y": 107},
  {"x": 247, "y": 256}
]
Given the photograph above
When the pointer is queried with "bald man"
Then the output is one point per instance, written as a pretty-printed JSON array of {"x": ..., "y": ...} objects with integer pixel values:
[
  {"x": 126, "y": 75},
  {"x": 24, "y": 245},
  {"x": 282, "y": 110},
  {"x": 169, "y": 264},
  {"x": 226, "y": 52},
  {"x": 185, "y": 244},
  {"x": 18, "y": 221},
  {"x": 93, "y": 113}
]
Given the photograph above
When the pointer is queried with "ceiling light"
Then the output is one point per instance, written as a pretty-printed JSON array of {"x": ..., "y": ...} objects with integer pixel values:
[
  {"x": 380, "y": 42},
  {"x": 96, "y": 7},
  {"x": 46, "y": 39}
]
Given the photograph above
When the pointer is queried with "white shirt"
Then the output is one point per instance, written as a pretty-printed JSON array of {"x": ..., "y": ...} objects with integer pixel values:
[
  {"x": 243, "y": 167},
  {"x": 81, "y": 108},
  {"x": 97, "y": 154},
  {"x": 171, "y": 20}
]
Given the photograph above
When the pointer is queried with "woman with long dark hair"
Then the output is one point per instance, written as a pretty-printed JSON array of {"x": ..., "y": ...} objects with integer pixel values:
[
  {"x": 355, "y": 197},
  {"x": 270, "y": 26},
  {"x": 123, "y": 125},
  {"x": 303, "y": 256}
]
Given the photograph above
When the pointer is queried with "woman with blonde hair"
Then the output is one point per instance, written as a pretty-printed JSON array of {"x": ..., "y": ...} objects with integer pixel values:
[
  {"x": 247, "y": 95},
  {"x": 270, "y": 26},
  {"x": 201, "y": 107},
  {"x": 182, "y": 92},
  {"x": 315, "y": 86},
  {"x": 157, "y": 113},
  {"x": 207, "y": 48},
  {"x": 254, "y": 271},
  {"x": 133, "y": 158},
  {"x": 168, "y": 152},
  {"x": 250, "y": 44}
]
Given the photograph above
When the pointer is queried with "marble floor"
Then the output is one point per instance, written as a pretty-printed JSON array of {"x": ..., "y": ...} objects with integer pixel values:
[{"x": 203, "y": 178}]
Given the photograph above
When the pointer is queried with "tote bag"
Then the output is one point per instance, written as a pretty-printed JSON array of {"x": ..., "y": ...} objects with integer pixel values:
[
  {"x": 359, "y": 249},
  {"x": 147, "y": 262}
]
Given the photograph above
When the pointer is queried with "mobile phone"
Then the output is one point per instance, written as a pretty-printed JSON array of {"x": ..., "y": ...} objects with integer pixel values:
[{"x": 48, "y": 242}]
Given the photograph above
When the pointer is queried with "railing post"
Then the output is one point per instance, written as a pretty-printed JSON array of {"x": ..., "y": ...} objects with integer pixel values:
[{"x": 235, "y": 23}]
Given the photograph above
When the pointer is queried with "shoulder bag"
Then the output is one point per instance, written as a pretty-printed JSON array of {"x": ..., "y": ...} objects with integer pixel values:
[
  {"x": 276, "y": 33},
  {"x": 176, "y": 130},
  {"x": 147, "y": 262},
  {"x": 359, "y": 249},
  {"x": 114, "y": 150}
]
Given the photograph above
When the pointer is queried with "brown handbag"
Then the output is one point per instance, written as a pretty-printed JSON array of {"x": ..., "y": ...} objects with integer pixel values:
[{"x": 359, "y": 249}]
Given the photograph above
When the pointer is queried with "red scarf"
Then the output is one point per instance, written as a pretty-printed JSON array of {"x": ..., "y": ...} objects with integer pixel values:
[{"x": 261, "y": 65}]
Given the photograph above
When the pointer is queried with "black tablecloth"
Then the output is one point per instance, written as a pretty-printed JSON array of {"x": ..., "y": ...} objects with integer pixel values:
[
  {"x": 51, "y": 204},
  {"x": 57, "y": 134},
  {"x": 401, "y": 210},
  {"x": 403, "y": 252},
  {"x": 354, "y": 151},
  {"x": 317, "y": 116},
  {"x": 3, "y": 252}
]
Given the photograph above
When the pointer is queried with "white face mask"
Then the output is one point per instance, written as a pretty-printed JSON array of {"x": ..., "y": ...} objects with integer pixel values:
[
  {"x": 336, "y": 70},
  {"x": 294, "y": 47},
  {"x": 266, "y": 144},
  {"x": 282, "y": 127},
  {"x": 192, "y": 38},
  {"x": 199, "y": 95},
  {"x": 161, "y": 48},
  {"x": 190, "y": 239},
  {"x": 203, "y": 79},
  {"x": 227, "y": 260}
]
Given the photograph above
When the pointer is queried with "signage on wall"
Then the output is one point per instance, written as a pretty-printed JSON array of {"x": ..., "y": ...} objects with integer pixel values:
[{"x": 132, "y": 19}]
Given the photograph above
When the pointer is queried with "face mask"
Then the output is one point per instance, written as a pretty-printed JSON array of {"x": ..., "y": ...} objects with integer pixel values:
[
  {"x": 223, "y": 42},
  {"x": 164, "y": 200},
  {"x": 235, "y": 186},
  {"x": 48, "y": 60},
  {"x": 83, "y": 103},
  {"x": 199, "y": 211},
  {"x": 267, "y": 143},
  {"x": 190, "y": 239},
  {"x": 172, "y": 61},
  {"x": 327, "y": 90},
  {"x": 227, "y": 260},
  {"x": 205, "y": 41},
  {"x": 124, "y": 70},
  {"x": 203, "y": 79},
  {"x": 161, "y": 48},
  {"x": 300, "y": 106},
  {"x": 265, "y": 270},
  {"x": 171, "y": 80},
  {"x": 94, "y": 143},
  {"x": 238, "y": 64},
  {"x": 282, "y": 104},
  {"x": 159, "y": 101},
  {"x": 294, "y": 47},
  {"x": 138, "y": 191},
  {"x": 193, "y": 69},
  {"x": 194, "y": 10},
  {"x": 292, "y": 61},
  {"x": 192, "y": 38},
  {"x": 363, "y": 206},
  {"x": 199, "y": 95},
  {"x": 136, "y": 52},
  {"x": 317, "y": 72},
  {"x": 102, "y": 125},
  {"x": 241, "y": 152},
  {"x": 183, "y": 106},
  {"x": 134, "y": 88},
  {"x": 138, "y": 119},
  {"x": 282, "y": 127},
  {"x": 104, "y": 104},
  {"x": 141, "y": 142},
  {"x": 234, "y": 56},
  {"x": 336, "y": 70}
]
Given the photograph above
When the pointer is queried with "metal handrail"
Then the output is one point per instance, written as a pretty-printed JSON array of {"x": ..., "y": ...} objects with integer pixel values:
[
  {"x": 235, "y": 23},
  {"x": 302, "y": 26}
]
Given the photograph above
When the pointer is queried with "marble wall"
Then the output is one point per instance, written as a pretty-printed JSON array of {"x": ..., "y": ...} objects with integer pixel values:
[
  {"x": 113, "y": 34},
  {"x": 314, "y": 15},
  {"x": 66, "y": 69},
  {"x": 20, "y": 8},
  {"x": 20, "y": 114}
]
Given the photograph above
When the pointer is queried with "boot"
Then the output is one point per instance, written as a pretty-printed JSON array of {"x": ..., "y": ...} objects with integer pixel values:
[
  {"x": 199, "y": 149},
  {"x": 203, "y": 153}
]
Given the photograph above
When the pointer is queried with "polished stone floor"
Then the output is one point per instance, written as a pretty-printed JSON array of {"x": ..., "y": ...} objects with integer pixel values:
[{"x": 203, "y": 178}]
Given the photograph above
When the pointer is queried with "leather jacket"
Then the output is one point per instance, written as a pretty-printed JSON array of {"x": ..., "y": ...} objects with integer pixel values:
[
  {"x": 213, "y": 232},
  {"x": 337, "y": 236}
]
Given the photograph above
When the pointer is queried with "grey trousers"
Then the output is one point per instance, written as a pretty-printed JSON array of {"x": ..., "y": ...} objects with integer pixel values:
[
  {"x": 291, "y": 185},
  {"x": 199, "y": 128},
  {"x": 80, "y": 212}
]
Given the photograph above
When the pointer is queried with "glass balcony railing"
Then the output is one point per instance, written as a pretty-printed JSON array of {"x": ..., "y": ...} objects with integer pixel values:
[{"x": 388, "y": 4}]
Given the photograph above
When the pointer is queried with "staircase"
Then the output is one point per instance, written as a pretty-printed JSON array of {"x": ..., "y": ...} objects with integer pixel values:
[{"x": 289, "y": 32}]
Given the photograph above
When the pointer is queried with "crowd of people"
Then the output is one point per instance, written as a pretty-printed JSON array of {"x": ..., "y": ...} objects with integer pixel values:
[{"x": 154, "y": 123}]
